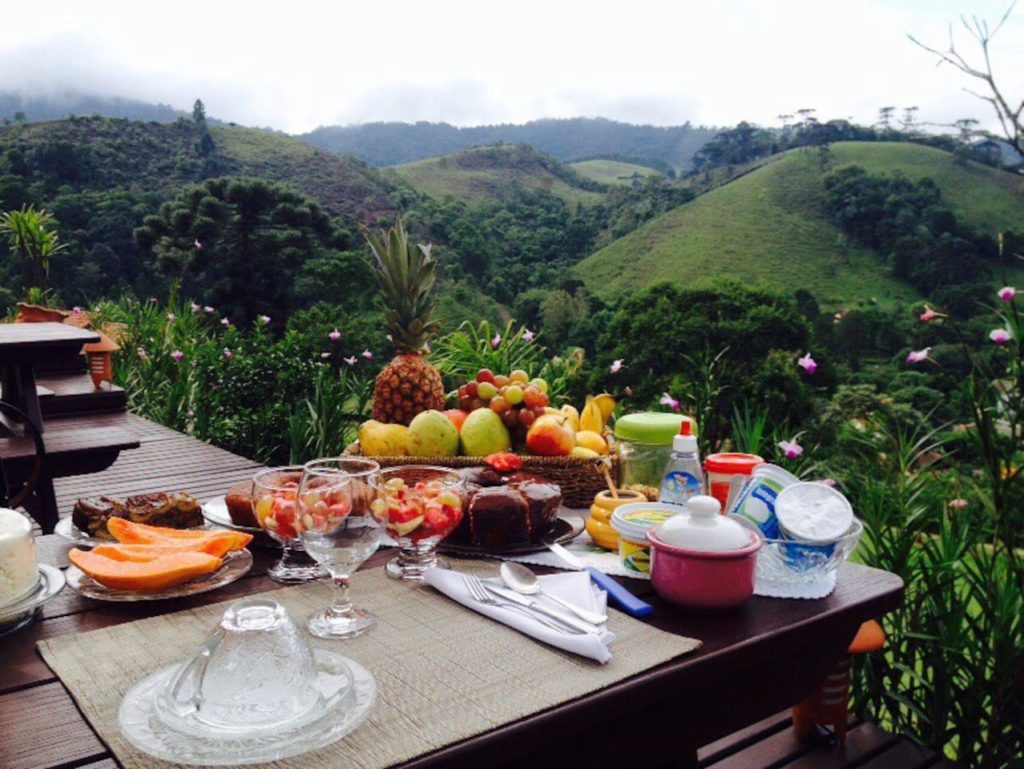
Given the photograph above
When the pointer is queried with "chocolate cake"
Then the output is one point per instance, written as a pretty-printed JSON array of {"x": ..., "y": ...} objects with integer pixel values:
[
  {"x": 506, "y": 508},
  {"x": 239, "y": 504}
]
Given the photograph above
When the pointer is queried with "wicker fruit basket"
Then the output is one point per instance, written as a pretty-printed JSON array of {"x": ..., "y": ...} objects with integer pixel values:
[{"x": 579, "y": 479}]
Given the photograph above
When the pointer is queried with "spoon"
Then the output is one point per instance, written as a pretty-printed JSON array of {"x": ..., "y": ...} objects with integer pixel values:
[{"x": 524, "y": 581}]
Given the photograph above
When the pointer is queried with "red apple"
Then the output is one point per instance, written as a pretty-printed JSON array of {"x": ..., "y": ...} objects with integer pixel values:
[
  {"x": 551, "y": 436},
  {"x": 458, "y": 416}
]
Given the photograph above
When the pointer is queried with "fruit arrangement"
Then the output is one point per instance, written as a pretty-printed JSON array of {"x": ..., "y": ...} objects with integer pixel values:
[
  {"x": 497, "y": 412},
  {"x": 154, "y": 557},
  {"x": 425, "y": 510}
]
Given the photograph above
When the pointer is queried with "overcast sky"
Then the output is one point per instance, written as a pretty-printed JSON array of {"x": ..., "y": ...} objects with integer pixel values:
[{"x": 294, "y": 65}]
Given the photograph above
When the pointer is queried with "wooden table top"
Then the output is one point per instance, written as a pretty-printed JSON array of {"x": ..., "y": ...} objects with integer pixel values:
[
  {"x": 14, "y": 336},
  {"x": 748, "y": 660}
]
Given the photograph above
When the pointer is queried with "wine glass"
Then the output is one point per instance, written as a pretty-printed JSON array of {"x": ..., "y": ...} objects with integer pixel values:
[
  {"x": 341, "y": 528},
  {"x": 423, "y": 505},
  {"x": 275, "y": 494}
]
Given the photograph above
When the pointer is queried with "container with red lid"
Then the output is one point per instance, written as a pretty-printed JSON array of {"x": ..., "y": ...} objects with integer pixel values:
[{"x": 727, "y": 472}]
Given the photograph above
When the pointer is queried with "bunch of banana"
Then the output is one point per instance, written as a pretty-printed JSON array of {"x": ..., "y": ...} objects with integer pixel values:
[{"x": 596, "y": 413}]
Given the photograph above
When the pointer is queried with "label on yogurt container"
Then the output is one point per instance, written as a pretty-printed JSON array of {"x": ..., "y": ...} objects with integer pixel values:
[{"x": 756, "y": 502}]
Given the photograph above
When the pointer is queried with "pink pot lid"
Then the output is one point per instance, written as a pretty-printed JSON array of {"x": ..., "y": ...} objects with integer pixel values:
[{"x": 702, "y": 528}]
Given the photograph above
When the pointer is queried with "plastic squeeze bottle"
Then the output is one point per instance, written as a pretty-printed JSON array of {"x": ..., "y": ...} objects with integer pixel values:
[{"x": 684, "y": 476}]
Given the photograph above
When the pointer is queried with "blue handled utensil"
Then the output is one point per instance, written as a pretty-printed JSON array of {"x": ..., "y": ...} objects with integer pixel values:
[{"x": 624, "y": 599}]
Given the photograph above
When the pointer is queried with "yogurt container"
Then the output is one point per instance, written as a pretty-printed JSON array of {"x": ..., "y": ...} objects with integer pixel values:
[
  {"x": 813, "y": 513},
  {"x": 727, "y": 472},
  {"x": 631, "y": 523},
  {"x": 756, "y": 502}
]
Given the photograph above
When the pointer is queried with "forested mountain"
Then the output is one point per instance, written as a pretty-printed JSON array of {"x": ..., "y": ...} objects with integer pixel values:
[
  {"x": 53, "y": 106},
  {"x": 386, "y": 144}
]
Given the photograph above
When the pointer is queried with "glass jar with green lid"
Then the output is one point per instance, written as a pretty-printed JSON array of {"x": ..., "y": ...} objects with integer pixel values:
[{"x": 644, "y": 444}]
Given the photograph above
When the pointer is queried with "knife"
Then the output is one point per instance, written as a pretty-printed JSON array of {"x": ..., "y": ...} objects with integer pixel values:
[
  {"x": 625, "y": 600},
  {"x": 565, "y": 619}
]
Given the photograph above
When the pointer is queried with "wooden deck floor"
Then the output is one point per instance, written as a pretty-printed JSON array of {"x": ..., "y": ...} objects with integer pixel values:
[
  {"x": 166, "y": 460},
  {"x": 169, "y": 461}
]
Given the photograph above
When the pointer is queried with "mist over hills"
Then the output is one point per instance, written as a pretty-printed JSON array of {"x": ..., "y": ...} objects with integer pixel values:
[{"x": 61, "y": 104}]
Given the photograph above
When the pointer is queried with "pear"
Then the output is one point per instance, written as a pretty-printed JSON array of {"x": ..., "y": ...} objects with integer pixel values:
[{"x": 377, "y": 439}]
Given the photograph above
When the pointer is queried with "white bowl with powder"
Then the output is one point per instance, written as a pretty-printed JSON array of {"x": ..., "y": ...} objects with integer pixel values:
[{"x": 813, "y": 512}]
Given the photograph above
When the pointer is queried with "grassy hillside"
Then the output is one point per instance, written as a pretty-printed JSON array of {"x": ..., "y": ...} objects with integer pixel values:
[
  {"x": 764, "y": 227},
  {"x": 490, "y": 173},
  {"x": 768, "y": 226},
  {"x": 987, "y": 198},
  {"x": 97, "y": 153},
  {"x": 611, "y": 171}
]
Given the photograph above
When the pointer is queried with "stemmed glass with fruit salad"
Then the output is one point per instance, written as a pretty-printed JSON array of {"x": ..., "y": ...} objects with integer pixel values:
[
  {"x": 275, "y": 493},
  {"x": 422, "y": 505},
  {"x": 341, "y": 527}
]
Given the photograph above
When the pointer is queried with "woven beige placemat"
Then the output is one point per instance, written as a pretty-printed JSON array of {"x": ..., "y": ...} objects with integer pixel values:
[{"x": 444, "y": 673}]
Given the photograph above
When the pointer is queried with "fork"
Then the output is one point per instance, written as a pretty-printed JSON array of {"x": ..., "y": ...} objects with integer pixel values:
[{"x": 480, "y": 595}]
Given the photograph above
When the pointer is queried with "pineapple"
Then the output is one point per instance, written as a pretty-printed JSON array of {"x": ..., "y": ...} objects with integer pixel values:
[{"x": 405, "y": 272}]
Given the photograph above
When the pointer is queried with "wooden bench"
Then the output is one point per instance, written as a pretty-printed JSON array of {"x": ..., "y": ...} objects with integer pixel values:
[{"x": 74, "y": 393}]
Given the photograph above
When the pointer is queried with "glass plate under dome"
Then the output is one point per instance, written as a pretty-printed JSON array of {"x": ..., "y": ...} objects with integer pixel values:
[
  {"x": 23, "y": 611},
  {"x": 145, "y": 731},
  {"x": 236, "y": 564}
]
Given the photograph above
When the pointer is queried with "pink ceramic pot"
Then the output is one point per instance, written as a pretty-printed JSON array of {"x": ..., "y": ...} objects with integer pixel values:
[{"x": 703, "y": 579}]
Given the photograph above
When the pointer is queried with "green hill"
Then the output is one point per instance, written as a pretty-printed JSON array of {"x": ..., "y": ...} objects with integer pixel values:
[
  {"x": 612, "y": 171},
  {"x": 768, "y": 226},
  {"x": 98, "y": 153},
  {"x": 986, "y": 198},
  {"x": 491, "y": 173}
]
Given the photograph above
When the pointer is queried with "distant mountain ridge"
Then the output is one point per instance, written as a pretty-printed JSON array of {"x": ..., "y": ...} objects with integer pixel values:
[
  {"x": 61, "y": 104},
  {"x": 387, "y": 144}
]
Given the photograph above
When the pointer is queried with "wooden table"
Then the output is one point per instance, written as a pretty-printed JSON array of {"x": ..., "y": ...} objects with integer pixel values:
[
  {"x": 754, "y": 663},
  {"x": 23, "y": 346}
]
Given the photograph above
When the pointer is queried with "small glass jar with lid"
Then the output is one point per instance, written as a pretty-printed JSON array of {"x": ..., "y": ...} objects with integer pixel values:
[{"x": 644, "y": 444}]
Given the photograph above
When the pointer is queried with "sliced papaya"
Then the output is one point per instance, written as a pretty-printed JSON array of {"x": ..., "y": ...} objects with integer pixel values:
[
  {"x": 217, "y": 543},
  {"x": 163, "y": 572},
  {"x": 130, "y": 533}
]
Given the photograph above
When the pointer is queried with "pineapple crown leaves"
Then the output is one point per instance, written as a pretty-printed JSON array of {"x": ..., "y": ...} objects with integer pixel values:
[{"x": 406, "y": 273}]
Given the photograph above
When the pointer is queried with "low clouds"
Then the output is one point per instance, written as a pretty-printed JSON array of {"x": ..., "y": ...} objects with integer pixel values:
[{"x": 469, "y": 63}]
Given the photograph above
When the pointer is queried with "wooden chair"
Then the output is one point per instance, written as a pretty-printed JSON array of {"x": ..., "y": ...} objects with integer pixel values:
[{"x": 27, "y": 487}]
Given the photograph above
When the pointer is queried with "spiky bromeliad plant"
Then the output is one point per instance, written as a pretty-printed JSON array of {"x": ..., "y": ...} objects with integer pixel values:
[{"x": 406, "y": 274}]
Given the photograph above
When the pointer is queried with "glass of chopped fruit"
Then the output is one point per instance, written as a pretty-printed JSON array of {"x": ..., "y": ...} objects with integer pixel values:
[
  {"x": 275, "y": 493},
  {"x": 423, "y": 505}
]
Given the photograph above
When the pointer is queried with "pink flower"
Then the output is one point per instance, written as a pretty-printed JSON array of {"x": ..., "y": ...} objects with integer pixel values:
[
  {"x": 264, "y": 319},
  {"x": 351, "y": 361},
  {"x": 171, "y": 317},
  {"x": 958, "y": 504},
  {"x": 198, "y": 245},
  {"x": 191, "y": 414},
  {"x": 142, "y": 353},
  {"x": 208, "y": 310},
  {"x": 916, "y": 356},
  {"x": 929, "y": 314},
  {"x": 367, "y": 354},
  {"x": 76, "y": 310},
  {"x": 668, "y": 400},
  {"x": 177, "y": 355},
  {"x": 225, "y": 322},
  {"x": 1006, "y": 293},
  {"x": 830, "y": 482},
  {"x": 528, "y": 335},
  {"x": 616, "y": 366},
  {"x": 791, "y": 449},
  {"x": 496, "y": 341},
  {"x": 808, "y": 364},
  {"x": 228, "y": 353},
  {"x": 999, "y": 335},
  {"x": 334, "y": 336},
  {"x": 196, "y": 307}
]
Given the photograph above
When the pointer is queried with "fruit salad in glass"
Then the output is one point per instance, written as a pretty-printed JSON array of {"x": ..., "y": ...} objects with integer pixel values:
[
  {"x": 423, "y": 505},
  {"x": 275, "y": 494}
]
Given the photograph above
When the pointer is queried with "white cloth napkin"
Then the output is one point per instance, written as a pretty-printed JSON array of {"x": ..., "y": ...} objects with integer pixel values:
[{"x": 575, "y": 587}]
